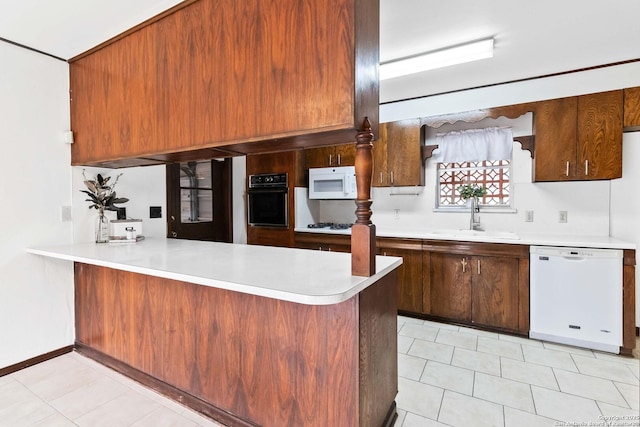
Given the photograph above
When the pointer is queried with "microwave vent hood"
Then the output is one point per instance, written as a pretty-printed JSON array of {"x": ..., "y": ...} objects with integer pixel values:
[{"x": 333, "y": 183}]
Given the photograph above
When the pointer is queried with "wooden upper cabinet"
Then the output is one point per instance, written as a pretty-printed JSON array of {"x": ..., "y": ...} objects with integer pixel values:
[
  {"x": 240, "y": 77},
  {"x": 600, "y": 136},
  {"x": 579, "y": 138},
  {"x": 334, "y": 155},
  {"x": 632, "y": 108},
  {"x": 555, "y": 134},
  {"x": 397, "y": 156}
]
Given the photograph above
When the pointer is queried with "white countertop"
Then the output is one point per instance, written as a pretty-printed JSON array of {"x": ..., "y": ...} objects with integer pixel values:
[
  {"x": 489, "y": 236},
  {"x": 296, "y": 275}
]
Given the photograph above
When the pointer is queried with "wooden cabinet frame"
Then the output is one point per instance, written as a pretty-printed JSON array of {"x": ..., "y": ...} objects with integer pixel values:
[
  {"x": 473, "y": 252},
  {"x": 213, "y": 78}
]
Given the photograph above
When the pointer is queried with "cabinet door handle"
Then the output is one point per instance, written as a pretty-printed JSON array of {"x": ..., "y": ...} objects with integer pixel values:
[
  {"x": 479, "y": 271},
  {"x": 339, "y": 159},
  {"x": 464, "y": 265},
  {"x": 174, "y": 234},
  {"x": 384, "y": 253},
  {"x": 330, "y": 159},
  {"x": 391, "y": 177},
  {"x": 567, "y": 171},
  {"x": 586, "y": 168},
  {"x": 380, "y": 177}
]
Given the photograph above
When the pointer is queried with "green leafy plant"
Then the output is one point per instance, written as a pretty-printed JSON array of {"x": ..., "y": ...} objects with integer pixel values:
[
  {"x": 102, "y": 195},
  {"x": 468, "y": 191}
]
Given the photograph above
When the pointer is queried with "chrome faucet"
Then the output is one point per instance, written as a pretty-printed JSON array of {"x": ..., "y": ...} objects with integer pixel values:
[{"x": 474, "y": 223}]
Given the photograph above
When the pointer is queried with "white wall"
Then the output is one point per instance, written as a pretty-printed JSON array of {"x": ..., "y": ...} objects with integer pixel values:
[
  {"x": 144, "y": 187},
  {"x": 36, "y": 295}
]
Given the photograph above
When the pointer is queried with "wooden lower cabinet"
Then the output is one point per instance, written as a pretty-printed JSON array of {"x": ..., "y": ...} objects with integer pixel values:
[
  {"x": 494, "y": 291},
  {"x": 410, "y": 292},
  {"x": 450, "y": 293},
  {"x": 482, "y": 284},
  {"x": 323, "y": 242}
]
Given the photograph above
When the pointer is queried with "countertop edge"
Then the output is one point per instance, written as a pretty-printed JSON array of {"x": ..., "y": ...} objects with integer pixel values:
[
  {"x": 307, "y": 299},
  {"x": 529, "y": 239}
]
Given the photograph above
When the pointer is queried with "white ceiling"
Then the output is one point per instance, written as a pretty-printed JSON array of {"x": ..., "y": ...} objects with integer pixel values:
[{"x": 532, "y": 38}]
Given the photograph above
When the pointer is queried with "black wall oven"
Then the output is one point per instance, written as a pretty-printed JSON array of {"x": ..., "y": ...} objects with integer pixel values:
[{"x": 268, "y": 200}]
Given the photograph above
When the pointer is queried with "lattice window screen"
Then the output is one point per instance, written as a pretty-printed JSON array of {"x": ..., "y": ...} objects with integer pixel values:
[{"x": 493, "y": 175}]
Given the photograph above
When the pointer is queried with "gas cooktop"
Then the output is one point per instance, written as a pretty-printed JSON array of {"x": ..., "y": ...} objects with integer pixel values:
[{"x": 330, "y": 225}]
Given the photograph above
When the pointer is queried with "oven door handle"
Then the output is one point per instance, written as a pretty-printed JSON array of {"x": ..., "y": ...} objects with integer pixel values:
[{"x": 267, "y": 190}]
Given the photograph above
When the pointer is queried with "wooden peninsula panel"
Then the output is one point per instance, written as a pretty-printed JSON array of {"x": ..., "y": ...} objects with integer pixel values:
[
  {"x": 250, "y": 76},
  {"x": 244, "y": 359}
]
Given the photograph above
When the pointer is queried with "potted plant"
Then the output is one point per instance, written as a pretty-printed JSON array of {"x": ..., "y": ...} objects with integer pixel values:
[
  {"x": 102, "y": 197},
  {"x": 468, "y": 191}
]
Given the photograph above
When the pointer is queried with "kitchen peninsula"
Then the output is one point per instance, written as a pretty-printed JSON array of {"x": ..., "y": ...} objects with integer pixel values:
[{"x": 248, "y": 335}]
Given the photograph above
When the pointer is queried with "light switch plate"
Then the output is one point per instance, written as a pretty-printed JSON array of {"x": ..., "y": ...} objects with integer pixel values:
[
  {"x": 528, "y": 216},
  {"x": 65, "y": 213},
  {"x": 562, "y": 217}
]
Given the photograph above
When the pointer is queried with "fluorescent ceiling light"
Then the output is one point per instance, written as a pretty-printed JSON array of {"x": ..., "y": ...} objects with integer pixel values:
[{"x": 437, "y": 59}]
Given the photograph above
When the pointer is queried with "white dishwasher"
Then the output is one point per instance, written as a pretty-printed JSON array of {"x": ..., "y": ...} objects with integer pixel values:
[{"x": 576, "y": 296}]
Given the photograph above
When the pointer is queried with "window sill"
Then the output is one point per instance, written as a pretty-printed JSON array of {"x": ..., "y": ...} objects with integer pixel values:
[{"x": 464, "y": 209}]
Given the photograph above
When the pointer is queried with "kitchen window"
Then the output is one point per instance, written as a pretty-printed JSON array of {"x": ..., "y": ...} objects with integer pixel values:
[{"x": 493, "y": 175}]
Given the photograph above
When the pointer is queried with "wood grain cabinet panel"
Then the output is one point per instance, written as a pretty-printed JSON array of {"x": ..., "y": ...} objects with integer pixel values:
[
  {"x": 243, "y": 359},
  {"x": 410, "y": 288},
  {"x": 223, "y": 73},
  {"x": 632, "y": 108},
  {"x": 494, "y": 291},
  {"x": 481, "y": 284},
  {"x": 323, "y": 242},
  {"x": 397, "y": 155},
  {"x": 555, "y": 133},
  {"x": 579, "y": 138},
  {"x": 334, "y": 155},
  {"x": 450, "y": 286},
  {"x": 599, "y": 136}
]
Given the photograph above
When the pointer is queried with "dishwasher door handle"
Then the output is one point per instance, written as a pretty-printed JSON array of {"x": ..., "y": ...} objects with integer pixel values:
[{"x": 574, "y": 258}]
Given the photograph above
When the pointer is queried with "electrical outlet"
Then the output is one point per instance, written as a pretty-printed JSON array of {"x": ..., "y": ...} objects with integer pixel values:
[
  {"x": 528, "y": 216},
  {"x": 563, "y": 217},
  {"x": 396, "y": 213}
]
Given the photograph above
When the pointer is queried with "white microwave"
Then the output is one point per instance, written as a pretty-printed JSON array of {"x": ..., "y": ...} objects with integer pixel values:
[{"x": 333, "y": 183}]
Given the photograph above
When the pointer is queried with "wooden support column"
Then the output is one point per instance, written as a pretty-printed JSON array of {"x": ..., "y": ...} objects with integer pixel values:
[{"x": 363, "y": 232}]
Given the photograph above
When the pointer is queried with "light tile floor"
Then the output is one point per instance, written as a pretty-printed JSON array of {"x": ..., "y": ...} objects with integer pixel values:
[
  {"x": 456, "y": 376},
  {"x": 72, "y": 390},
  {"x": 448, "y": 376}
]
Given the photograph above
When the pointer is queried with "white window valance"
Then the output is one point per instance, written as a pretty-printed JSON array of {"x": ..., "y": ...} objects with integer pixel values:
[{"x": 474, "y": 145}]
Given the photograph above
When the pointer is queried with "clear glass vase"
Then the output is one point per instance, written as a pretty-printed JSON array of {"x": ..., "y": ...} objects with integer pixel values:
[{"x": 102, "y": 228}]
